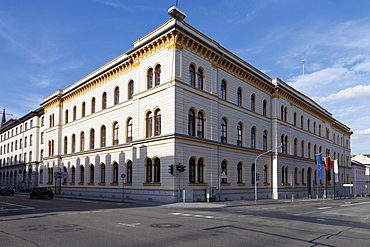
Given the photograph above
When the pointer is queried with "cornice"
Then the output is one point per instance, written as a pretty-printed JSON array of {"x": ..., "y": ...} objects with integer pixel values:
[{"x": 228, "y": 62}]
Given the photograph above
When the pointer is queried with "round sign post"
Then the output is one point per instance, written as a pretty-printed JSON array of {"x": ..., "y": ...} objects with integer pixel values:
[{"x": 123, "y": 186}]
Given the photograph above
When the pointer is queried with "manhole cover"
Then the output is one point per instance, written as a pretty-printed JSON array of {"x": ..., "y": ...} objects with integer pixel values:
[
  {"x": 66, "y": 226},
  {"x": 34, "y": 229},
  {"x": 68, "y": 230},
  {"x": 32, "y": 226},
  {"x": 165, "y": 225}
]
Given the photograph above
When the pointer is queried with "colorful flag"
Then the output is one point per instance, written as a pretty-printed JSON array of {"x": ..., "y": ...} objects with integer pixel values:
[
  {"x": 327, "y": 168},
  {"x": 335, "y": 167},
  {"x": 319, "y": 165}
]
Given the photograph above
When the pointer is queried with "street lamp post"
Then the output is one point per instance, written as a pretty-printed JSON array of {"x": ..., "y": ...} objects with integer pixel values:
[{"x": 255, "y": 170}]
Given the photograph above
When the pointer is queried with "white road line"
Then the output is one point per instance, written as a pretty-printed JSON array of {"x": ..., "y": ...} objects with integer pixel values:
[
  {"x": 20, "y": 207},
  {"x": 130, "y": 225},
  {"x": 194, "y": 215},
  {"x": 353, "y": 204},
  {"x": 324, "y": 207}
]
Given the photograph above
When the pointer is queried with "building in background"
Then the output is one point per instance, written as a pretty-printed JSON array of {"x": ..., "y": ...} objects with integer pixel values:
[
  {"x": 20, "y": 150},
  {"x": 179, "y": 97},
  {"x": 360, "y": 175}
]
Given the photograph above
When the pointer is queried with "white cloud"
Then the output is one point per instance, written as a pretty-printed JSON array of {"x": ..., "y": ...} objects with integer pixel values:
[
  {"x": 362, "y": 132},
  {"x": 356, "y": 92},
  {"x": 347, "y": 111}
]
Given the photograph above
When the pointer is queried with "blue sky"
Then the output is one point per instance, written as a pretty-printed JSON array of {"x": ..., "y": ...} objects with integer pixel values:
[{"x": 47, "y": 45}]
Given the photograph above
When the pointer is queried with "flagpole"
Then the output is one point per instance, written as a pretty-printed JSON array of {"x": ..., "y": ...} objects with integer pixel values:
[{"x": 333, "y": 164}]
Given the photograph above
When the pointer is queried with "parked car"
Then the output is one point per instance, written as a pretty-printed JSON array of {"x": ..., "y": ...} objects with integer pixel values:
[
  {"x": 42, "y": 192},
  {"x": 6, "y": 190}
]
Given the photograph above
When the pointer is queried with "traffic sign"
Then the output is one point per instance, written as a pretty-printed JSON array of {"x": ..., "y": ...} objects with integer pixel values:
[{"x": 123, "y": 175}]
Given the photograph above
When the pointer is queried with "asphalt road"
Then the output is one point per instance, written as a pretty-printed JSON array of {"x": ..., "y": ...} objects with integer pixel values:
[{"x": 73, "y": 222}]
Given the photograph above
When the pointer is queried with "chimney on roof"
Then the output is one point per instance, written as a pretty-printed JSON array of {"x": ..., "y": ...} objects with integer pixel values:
[
  {"x": 3, "y": 119},
  {"x": 176, "y": 13}
]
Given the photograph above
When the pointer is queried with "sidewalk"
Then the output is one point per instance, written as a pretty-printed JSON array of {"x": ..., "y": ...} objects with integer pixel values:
[{"x": 220, "y": 204}]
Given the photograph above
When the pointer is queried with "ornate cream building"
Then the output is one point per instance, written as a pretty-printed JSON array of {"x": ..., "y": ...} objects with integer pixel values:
[{"x": 176, "y": 96}]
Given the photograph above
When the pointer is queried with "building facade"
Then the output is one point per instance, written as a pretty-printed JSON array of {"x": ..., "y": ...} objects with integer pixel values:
[{"x": 178, "y": 97}]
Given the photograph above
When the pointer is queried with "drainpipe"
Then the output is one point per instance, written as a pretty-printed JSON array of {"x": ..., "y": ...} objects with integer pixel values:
[{"x": 218, "y": 124}]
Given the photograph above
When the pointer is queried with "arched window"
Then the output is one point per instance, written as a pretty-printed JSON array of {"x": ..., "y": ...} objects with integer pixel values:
[
  {"x": 157, "y": 170},
  {"x": 240, "y": 172},
  {"x": 82, "y": 175},
  {"x": 253, "y": 102},
  {"x": 309, "y": 150},
  {"x": 149, "y": 170},
  {"x": 239, "y": 134},
  {"x": 200, "y": 125},
  {"x": 66, "y": 116},
  {"x": 149, "y": 124},
  {"x": 129, "y": 172},
  {"x": 115, "y": 133},
  {"x": 302, "y": 122},
  {"x": 116, "y": 95},
  {"x": 302, "y": 148},
  {"x": 83, "y": 109},
  {"x": 200, "y": 171},
  {"x": 314, "y": 127},
  {"x": 192, "y": 170},
  {"x": 223, "y": 90},
  {"x": 102, "y": 173},
  {"x": 82, "y": 141},
  {"x": 115, "y": 173},
  {"x": 239, "y": 97},
  {"x": 158, "y": 122},
  {"x": 65, "y": 145},
  {"x": 303, "y": 176},
  {"x": 93, "y": 103},
  {"x": 264, "y": 108},
  {"x": 73, "y": 174},
  {"x": 158, "y": 75},
  {"x": 200, "y": 79},
  {"x": 287, "y": 175},
  {"x": 253, "y": 173},
  {"x": 296, "y": 175},
  {"x": 295, "y": 119},
  {"x": 91, "y": 174},
  {"x": 130, "y": 89},
  {"x": 253, "y": 137},
  {"x": 223, "y": 171},
  {"x": 295, "y": 147},
  {"x": 103, "y": 136},
  {"x": 265, "y": 174},
  {"x": 129, "y": 129},
  {"x": 282, "y": 112},
  {"x": 104, "y": 101},
  {"x": 286, "y": 114},
  {"x": 74, "y": 113},
  {"x": 308, "y": 124},
  {"x": 191, "y": 123},
  {"x": 150, "y": 78},
  {"x": 264, "y": 140},
  {"x": 92, "y": 139},
  {"x": 223, "y": 132},
  {"x": 192, "y": 75}
]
